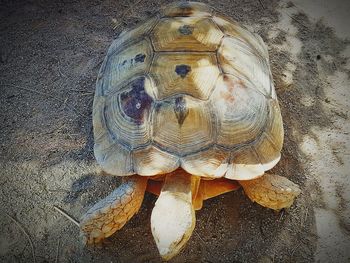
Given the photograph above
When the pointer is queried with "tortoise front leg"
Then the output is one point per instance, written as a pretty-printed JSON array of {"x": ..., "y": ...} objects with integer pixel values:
[
  {"x": 271, "y": 191},
  {"x": 111, "y": 213}
]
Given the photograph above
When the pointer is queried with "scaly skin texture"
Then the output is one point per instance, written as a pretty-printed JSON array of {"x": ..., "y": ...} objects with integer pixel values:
[
  {"x": 271, "y": 191},
  {"x": 111, "y": 213}
]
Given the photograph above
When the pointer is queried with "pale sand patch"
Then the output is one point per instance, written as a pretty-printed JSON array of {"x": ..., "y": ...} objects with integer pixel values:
[
  {"x": 334, "y": 13},
  {"x": 329, "y": 152}
]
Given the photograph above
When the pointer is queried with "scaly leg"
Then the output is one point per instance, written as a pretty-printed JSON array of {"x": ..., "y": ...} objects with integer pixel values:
[
  {"x": 111, "y": 213},
  {"x": 272, "y": 191}
]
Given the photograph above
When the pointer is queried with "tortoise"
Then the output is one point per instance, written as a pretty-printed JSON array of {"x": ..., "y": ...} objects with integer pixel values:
[{"x": 185, "y": 108}]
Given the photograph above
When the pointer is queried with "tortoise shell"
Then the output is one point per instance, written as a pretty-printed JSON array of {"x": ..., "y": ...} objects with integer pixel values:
[{"x": 188, "y": 88}]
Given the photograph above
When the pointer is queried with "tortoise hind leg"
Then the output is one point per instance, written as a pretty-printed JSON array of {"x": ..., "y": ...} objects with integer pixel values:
[
  {"x": 271, "y": 191},
  {"x": 110, "y": 214}
]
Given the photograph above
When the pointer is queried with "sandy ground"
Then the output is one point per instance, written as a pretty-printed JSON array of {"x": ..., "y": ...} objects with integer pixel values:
[
  {"x": 328, "y": 148},
  {"x": 49, "y": 57}
]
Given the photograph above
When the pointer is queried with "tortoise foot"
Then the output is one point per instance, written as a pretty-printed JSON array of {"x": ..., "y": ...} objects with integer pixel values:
[
  {"x": 110, "y": 214},
  {"x": 271, "y": 191}
]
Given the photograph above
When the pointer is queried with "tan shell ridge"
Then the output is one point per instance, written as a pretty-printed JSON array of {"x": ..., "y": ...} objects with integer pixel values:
[{"x": 187, "y": 88}]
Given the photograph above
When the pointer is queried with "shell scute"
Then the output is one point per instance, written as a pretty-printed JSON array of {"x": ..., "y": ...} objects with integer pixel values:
[
  {"x": 189, "y": 73},
  {"x": 186, "y": 34},
  {"x": 127, "y": 114},
  {"x": 115, "y": 160},
  {"x": 233, "y": 29},
  {"x": 151, "y": 160},
  {"x": 187, "y": 9},
  {"x": 211, "y": 163},
  {"x": 135, "y": 34},
  {"x": 133, "y": 60},
  {"x": 181, "y": 137},
  {"x": 238, "y": 59},
  {"x": 241, "y": 111}
]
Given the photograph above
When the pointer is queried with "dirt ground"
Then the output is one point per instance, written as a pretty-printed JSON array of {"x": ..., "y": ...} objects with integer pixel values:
[{"x": 50, "y": 53}]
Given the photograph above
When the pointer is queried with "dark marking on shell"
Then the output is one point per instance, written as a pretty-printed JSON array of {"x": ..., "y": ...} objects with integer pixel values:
[
  {"x": 136, "y": 102},
  {"x": 226, "y": 78},
  {"x": 140, "y": 58},
  {"x": 182, "y": 70},
  {"x": 180, "y": 109},
  {"x": 186, "y": 30}
]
